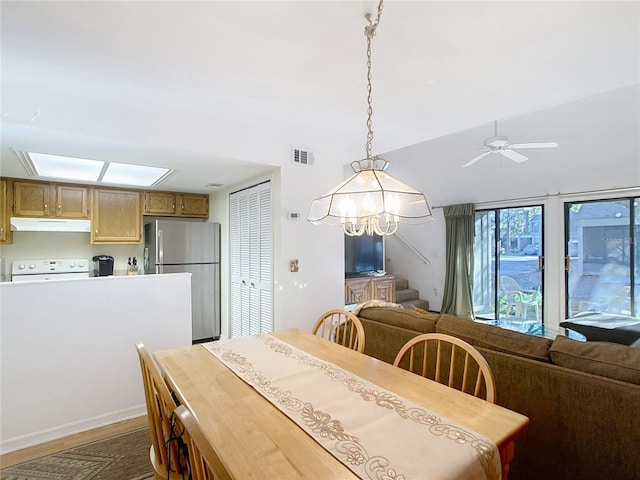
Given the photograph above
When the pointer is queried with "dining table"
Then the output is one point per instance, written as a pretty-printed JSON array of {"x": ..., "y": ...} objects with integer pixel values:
[{"x": 261, "y": 429}]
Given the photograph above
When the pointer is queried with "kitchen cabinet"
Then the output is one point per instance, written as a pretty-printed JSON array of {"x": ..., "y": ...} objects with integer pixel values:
[
  {"x": 72, "y": 201},
  {"x": 116, "y": 216},
  {"x": 5, "y": 230},
  {"x": 362, "y": 289},
  {"x": 41, "y": 199},
  {"x": 194, "y": 205},
  {"x": 30, "y": 199},
  {"x": 176, "y": 204},
  {"x": 160, "y": 203}
]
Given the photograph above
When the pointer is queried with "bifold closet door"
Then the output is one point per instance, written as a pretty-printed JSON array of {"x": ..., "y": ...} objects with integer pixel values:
[{"x": 251, "y": 232}]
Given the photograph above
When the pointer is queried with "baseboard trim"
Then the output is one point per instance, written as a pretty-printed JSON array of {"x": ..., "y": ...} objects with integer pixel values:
[{"x": 73, "y": 440}]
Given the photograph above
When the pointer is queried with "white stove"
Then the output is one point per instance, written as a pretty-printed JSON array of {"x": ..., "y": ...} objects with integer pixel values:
[{"x": 39, "y": 270}]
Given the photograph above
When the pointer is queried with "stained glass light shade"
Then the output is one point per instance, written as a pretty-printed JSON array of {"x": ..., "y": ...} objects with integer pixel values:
[{"x": 370, "y": 201}]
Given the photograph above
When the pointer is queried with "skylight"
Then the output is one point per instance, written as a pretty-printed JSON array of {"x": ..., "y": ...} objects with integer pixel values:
[
  {"x": 82, "y": 169},
  {"x": 126, "y": 174},
  {"x": 66, "y": 167}
]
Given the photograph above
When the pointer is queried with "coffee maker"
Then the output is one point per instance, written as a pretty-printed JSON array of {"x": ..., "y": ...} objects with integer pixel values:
[{"x": 102, "y": 265}]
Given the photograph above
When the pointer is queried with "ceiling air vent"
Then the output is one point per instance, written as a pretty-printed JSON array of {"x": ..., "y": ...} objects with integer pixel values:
[{"x": 301, "y": 157}]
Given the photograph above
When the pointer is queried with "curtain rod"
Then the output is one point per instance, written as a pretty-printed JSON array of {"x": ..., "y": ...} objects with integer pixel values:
[{"x": 549, "y": 195}]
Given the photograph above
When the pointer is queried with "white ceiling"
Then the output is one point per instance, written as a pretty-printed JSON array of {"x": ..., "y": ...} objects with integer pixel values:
[{"x": 221, "y": 90}]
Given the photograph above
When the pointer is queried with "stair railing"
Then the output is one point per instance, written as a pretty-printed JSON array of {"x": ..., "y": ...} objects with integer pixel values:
[{"x": 413, "y": 249}]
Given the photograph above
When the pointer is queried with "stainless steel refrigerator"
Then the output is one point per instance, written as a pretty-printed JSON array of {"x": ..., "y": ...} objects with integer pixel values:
[{"x": 173, "y": 246}]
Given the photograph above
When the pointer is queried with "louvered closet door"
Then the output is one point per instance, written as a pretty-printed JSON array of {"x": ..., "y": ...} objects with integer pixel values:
[{"x": 251, "y": 261}]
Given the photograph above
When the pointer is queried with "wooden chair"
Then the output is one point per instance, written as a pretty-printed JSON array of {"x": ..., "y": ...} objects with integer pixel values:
[
  {"x": 448, "y": 360},
  {"x": 204, "y": 461},
  {"x": 160, "y": 405},
  {"x": 342, "y": 327}
]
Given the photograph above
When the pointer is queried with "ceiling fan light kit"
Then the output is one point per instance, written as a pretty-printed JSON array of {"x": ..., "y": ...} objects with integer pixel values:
[
  {"x": 371, "y": 201},
  {"x": 500, "y": 144}
]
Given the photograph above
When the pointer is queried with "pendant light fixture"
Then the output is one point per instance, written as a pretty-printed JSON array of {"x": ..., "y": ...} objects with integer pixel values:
[{"x": 371, "y": 201}]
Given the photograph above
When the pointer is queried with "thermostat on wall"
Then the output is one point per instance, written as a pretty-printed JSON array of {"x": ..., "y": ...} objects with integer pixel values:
[{"x": 294, "y": 215}]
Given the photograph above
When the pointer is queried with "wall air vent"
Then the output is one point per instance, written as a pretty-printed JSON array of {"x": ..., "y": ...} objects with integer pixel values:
[{"x": 301, "y": 156}]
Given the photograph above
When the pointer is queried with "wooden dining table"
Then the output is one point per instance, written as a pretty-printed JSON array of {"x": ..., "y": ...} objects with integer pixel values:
[{"x": 256, "y": 440}]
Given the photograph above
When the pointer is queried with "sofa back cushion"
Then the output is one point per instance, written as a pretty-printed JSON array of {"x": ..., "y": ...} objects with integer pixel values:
[
  {"x": 600, "y": 358},
  {"x": 402, "y": 318},
  {"x": 495, "y": 338},
  {"x": 387, "y": 329}
]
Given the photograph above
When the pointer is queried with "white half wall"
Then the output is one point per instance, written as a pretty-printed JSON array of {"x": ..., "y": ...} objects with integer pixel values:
[{"x": 68, "y": 356}]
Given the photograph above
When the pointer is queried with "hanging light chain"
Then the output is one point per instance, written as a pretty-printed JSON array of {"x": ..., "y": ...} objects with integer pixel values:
[
  {"x": 370, "y": 31},
  {"x": 359, "y": 204}
]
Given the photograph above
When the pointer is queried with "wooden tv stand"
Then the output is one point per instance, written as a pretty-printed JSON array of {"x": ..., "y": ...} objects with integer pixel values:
[{"x": 369, "y": 287}]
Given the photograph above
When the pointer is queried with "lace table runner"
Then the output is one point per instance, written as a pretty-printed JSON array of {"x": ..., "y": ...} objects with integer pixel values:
[{"x": 372, "y": 431}]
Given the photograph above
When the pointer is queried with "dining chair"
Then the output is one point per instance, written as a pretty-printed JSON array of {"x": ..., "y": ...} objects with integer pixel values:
[
  {"x": 204, "y": 461},
  {"x": 450, "y": 361},
  {"x": 519, "y": 299},
  {"x": 342, "y": 327},
  {"x": 160, "y": 405}
]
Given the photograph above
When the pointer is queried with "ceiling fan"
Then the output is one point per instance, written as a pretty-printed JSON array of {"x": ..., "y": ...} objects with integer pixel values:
[{"x": 501, "y": 145}]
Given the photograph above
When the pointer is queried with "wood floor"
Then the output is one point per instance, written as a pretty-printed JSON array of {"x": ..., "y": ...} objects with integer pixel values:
[{"x": 72, "y": 441}]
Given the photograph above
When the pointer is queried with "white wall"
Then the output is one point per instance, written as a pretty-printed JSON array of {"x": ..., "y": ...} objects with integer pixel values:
[
  {"x": 599, "y": 152},
  {"x": 301, "y": 297},
  {"x": 67, "y": 351},
  {"x": 319, "y": 283}
]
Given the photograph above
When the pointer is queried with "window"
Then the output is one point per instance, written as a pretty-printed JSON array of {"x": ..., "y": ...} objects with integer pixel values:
[
  {"x": 601, "y": 263},
  {"x": 508, "y": 281}
]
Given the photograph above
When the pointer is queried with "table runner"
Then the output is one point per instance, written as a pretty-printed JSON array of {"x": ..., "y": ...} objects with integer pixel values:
[{"x": 372, "y": 431}]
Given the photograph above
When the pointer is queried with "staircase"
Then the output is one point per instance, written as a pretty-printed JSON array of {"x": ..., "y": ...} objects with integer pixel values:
[{"x": 406, "y": 296}]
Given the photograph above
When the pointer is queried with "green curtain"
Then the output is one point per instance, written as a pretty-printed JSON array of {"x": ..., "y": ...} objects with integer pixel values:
[{"x": 458, "y": 284}]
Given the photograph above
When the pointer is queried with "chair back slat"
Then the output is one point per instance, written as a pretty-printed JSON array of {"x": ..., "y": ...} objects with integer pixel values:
[
  {"x": 204, "y": 461},
  {"x": 341, "y": 327},
  {"x": 457, "y": 364},
  {"x": 160, "y": 404}
]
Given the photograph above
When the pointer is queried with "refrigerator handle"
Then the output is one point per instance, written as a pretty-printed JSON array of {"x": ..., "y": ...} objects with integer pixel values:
[{"x": 160, "y": 252}]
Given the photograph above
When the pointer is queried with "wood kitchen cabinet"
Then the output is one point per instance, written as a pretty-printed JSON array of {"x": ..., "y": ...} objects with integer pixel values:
[
  {"x": 72, "y": 201},
  {"x": 160, "y": 203},
  {"x": 116, "y": 216},
  {"x": 362, "y": 289},
  {"x": 194, "y": 205},
  {"x": 41, "y": 199},
  {"x": 31, "y": 199},
  {"x": 5, "y": 230},
  {"x": 176, "y": 204}
]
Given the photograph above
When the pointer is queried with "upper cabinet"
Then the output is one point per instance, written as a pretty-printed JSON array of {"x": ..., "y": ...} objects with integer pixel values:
[
  {"x": 31, "y": 199},
  {"x": 176, "y": 204},
  {"x": 117, "y": 216},
  {"x": 72, "y": 201},
  {"x": 5, "y": 231},
  {"x": 160, "y": 203},
  {"x": 194, "y": 205},
  {"x": 38, "y": 199}
]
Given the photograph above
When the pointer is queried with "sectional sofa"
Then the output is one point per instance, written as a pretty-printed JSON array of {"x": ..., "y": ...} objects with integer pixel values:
[{"x": 582, "y": 398}]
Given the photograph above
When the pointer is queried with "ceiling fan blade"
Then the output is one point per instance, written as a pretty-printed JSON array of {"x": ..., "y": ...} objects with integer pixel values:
[
  {"x": 475, "y": 159},
  {"x": 535, "y": 145},
  {"x": 515, "y": 156}
]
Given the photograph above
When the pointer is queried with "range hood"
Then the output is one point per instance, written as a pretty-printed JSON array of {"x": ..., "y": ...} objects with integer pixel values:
[{"x": 23, "y": 224}]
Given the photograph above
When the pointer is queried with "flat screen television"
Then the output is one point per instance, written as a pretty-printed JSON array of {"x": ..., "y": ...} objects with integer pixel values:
[{"x": 363, "y": 255}]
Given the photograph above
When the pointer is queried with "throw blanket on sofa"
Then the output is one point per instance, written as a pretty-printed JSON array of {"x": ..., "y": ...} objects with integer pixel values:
[{"x": 373, "y": 303}]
